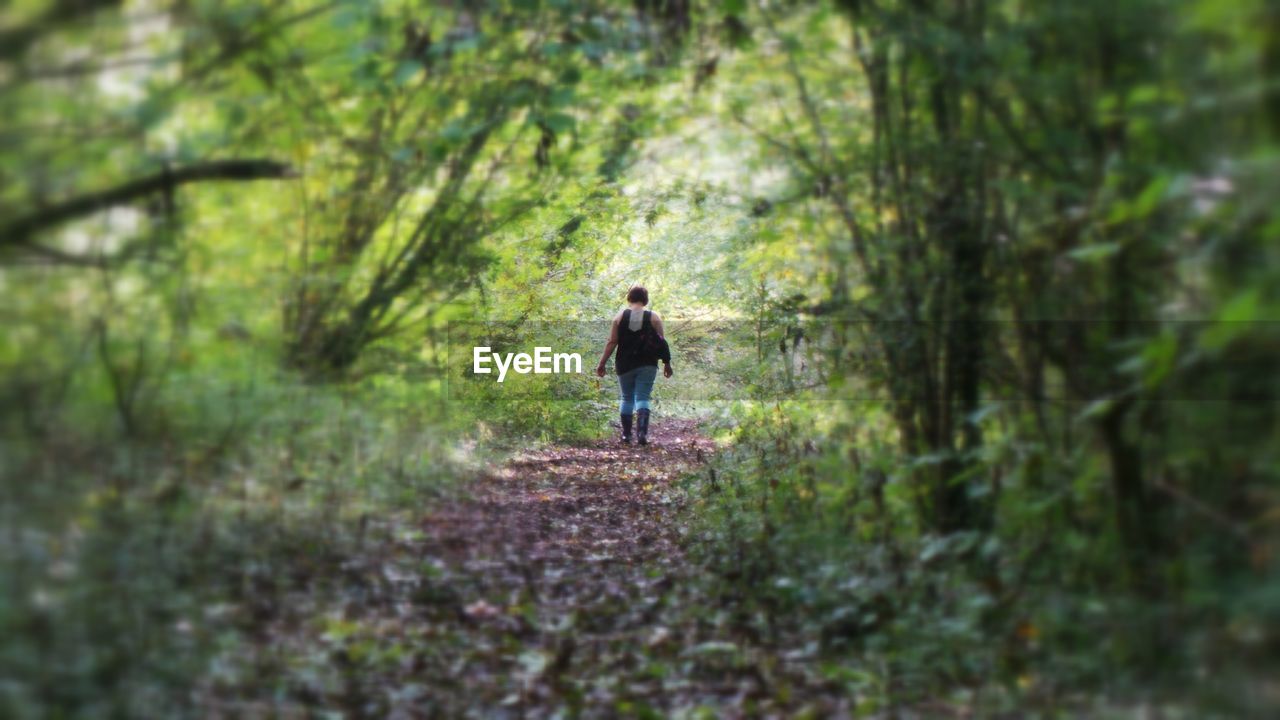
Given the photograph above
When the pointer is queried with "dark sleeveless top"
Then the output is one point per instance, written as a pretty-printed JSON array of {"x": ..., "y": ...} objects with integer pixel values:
[{"x": 630, "y": 354}]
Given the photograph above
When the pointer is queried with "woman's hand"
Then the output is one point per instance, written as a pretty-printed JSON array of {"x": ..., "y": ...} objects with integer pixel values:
[
  {"x": 666, "y": 370},
  {"x": 600, "y": 370}
]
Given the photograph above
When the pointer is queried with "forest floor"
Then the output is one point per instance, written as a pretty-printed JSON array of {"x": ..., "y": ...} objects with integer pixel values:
[{"x": 559, "y": 585}]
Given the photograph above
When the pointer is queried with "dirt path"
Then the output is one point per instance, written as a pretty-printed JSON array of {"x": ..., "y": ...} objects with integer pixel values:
[
  {"x": 569, "y": 553},
  {"x": 559, "y": 587}
]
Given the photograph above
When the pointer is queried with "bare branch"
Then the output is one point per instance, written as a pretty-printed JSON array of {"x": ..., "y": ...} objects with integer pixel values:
[{"x": 21, "y": 231}]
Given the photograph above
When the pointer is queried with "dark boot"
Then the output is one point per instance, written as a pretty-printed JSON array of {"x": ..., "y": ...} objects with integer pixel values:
[
  {"x": 626, "y": 428},
  {"x": 642, "y": 427}
]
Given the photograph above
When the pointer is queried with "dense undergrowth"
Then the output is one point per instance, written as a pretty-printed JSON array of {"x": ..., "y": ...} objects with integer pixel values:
[
  {"x": 131, "y": 558},
  {"x": 809, "y": 520}
]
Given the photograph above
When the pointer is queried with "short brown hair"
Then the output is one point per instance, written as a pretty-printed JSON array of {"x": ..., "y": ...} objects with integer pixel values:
[{"x": 637, "y": 293}]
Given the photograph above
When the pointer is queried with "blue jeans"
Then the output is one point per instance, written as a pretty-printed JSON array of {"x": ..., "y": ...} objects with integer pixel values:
[{"x": 637, "y": 385}]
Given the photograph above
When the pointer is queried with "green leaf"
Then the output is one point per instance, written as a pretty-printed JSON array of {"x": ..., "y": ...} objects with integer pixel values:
[
  {"x": 1096, "y": 409},
  {"x": 1150, "y": 197},
  {"x": 454, "y": 131},
  {"x": 1144, "y": 95},
  {"x": 407, "y": 71},
  {"x": 559, "y": 122},
  {"x": 571, "y": 76},
  {"x": 1158, "y": 359},
  {"x": 562, "y": 96},
  {"x": 1234, "y": 319},
  {"x": 1095, "y": 252},
  {"x": 1243, "y": 308}
]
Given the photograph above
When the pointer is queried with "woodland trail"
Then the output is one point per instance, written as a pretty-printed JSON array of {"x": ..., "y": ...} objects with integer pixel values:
[
  {"x": 558, "y": 586},
  {"x": 572, "y": 554}
]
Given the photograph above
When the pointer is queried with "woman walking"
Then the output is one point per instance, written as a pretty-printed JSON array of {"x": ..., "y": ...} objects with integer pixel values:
[{"x": 638, "y": 335}]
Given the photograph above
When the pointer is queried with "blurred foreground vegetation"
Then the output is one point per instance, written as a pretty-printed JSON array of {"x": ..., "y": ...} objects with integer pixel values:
[{"x": 980, "y": 295}]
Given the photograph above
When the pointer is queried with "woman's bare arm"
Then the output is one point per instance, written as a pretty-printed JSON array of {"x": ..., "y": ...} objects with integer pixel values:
[
  {"x": 657, "y": 325},
  {"x": 608, "y": 347}
]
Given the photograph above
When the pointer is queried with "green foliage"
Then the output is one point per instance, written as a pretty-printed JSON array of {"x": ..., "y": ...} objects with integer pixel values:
[{"x": 980, "y": 296}]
